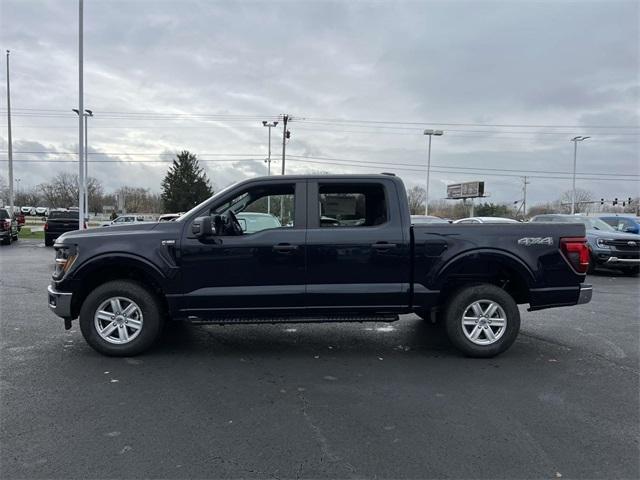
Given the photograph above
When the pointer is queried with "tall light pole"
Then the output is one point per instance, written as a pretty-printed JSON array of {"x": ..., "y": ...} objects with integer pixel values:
[
  {"x": 575, "y": 141},
  {"x": 430, "y": 133},
  {"x": 83, "y": 184},
  {"x": 269, "y": 125},
  {"x": 10, "y": 145},
  {"x": 87, "y": 113},
  {"x": 80, "y": 109}
]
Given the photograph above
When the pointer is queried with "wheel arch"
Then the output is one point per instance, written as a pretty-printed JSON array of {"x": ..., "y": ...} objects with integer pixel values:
[
  {"x": 110, "y": 267},
  {"x": 486, "y": 266}
]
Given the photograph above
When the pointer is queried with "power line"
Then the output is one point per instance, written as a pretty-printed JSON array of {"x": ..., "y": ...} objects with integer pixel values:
[
  {"x": 384, "y": 164},
  {"x": 301, "y": 118},
  {"x": 467, "y": 171},
  {"x": 299, "y": 157}
]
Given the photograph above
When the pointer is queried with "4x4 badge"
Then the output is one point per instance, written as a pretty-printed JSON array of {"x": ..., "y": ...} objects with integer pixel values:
[{"x": 528, "y": 241}]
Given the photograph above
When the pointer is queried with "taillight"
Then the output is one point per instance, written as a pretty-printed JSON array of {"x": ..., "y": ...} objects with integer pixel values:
[
  {"x": 46, "y": 227},
  {"x": 576, "y": 251}
]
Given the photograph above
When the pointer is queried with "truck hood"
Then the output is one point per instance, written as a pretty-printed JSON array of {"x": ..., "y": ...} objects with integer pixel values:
[
  {"x": 612, "y": 235},
  {"x": 117, "y": 231}
]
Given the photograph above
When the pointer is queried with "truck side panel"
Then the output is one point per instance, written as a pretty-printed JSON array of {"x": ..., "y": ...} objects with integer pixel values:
[{"x": 536, "y": 270}]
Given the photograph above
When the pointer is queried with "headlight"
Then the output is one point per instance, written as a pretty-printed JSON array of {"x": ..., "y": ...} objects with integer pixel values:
[
  {"x": 600, "y": 242},
  {"x": 65, "y": 256}
]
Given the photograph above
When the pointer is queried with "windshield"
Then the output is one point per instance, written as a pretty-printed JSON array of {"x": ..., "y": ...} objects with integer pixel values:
[
  {"x": 595, "y": 224},
  {"x": 199, "y": 206},
  {"x": 4, "y": 214}
]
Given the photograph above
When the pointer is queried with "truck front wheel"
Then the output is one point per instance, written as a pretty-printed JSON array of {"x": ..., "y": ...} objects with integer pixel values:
[
  {"x": 121, "y": 318},
  {"x": 482, "y": 320}
]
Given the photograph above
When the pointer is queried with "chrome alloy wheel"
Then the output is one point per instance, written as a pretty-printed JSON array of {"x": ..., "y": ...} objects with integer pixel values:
[
  {"x": 484, "y": 322},
  {"x": 118, "y": 320}
]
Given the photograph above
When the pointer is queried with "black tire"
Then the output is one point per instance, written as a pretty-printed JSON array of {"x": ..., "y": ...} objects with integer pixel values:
[
  {"x": 48, "y": 242},
  {"x": 459, "y": 303},
  {"x": 153, "y": 318}
]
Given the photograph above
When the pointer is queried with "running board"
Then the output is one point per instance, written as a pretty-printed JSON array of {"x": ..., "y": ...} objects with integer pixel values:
[{"x": 229, "y": 319}]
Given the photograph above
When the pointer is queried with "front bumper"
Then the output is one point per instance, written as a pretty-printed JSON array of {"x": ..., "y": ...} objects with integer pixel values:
[
  {"x": 622, "y": 261},
  {"x": 59, "y": 302},
  {"x": 586, "y": 292}
]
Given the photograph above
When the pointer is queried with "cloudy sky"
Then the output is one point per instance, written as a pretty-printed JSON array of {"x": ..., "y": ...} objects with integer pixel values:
[{"x": 509, "y": 83}]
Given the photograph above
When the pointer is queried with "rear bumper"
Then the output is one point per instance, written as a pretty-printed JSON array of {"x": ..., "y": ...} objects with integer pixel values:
[
  {"x": 59, "y": 302},
  {"x": 586, "y": 292},
  {"x": 551, "y": 297}
]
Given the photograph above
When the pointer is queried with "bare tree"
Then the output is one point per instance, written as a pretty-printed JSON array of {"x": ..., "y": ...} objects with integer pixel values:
[
  {"x": 140, "y": 200},
  {"x": 62, "y": 192},
  {"x": 4, "y": 191},
  {"x": 31, "y": 197},
  {"x": 583, "y": 203},
  {"x": 416, "y": 196}
]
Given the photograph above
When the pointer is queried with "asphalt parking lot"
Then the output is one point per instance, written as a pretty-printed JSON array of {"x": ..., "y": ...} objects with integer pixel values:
[{"x": 318, "y": 401}]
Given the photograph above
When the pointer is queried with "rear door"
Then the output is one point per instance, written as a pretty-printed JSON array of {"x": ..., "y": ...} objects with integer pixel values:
[{"x": 357, "y": 253}]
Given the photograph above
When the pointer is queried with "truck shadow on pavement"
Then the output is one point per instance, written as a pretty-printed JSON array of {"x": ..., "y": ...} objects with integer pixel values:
[{"x": 403, "y": 336}]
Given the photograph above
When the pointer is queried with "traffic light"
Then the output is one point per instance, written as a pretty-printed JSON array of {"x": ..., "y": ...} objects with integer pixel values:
[
  {"x": 624, "y": 204},
  {"x": 615, "y": 202},
  {"x": 602, "y": 201},
  {"x": 287, "y": 134},
  {"x": 629, "y": 201}
]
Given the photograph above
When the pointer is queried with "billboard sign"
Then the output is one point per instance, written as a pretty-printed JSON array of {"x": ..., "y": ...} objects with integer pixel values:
[{"x": 465, "y": 190}]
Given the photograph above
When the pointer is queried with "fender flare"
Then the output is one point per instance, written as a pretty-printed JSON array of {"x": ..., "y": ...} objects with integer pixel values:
[
  {"x": 112, "y": 259},
  {"x": 503, "y": 257}
]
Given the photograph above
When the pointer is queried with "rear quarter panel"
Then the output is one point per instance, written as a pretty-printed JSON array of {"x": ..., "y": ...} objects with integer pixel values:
[{"x": 443, "y": 250}]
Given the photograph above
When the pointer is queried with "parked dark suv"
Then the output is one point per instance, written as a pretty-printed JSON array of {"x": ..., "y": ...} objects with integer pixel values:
[{"x": 607, "y": 246}]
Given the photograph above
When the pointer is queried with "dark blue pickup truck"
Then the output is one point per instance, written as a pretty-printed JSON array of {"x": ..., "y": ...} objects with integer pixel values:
[{"x": 342, "y": 250}]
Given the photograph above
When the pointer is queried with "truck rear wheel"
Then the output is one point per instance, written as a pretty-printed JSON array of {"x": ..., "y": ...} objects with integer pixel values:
[
  {"x": 121, "y": 318},
  {"x": 482, "y": 320}
]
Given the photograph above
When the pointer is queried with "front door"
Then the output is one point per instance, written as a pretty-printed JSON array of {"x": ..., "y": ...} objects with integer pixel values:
[{"x": 264, "y": 268}]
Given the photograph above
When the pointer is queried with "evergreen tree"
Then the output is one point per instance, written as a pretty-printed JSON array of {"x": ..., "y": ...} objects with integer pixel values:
[{"x": 185, "y": 185}]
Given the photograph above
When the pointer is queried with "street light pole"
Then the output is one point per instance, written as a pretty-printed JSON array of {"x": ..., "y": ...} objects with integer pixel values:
[
  {"x": 80, "y": 110},
  {"x": 10, "y": 144},
  {"x": 87, "y": 113},
  {"x": 430, "y": 133},
  {"x": 269, "y": 125},
  {"x": 575, "y": 141}
]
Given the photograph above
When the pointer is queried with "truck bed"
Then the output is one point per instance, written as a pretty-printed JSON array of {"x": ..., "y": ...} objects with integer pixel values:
[{"x": 527, "y": 251}]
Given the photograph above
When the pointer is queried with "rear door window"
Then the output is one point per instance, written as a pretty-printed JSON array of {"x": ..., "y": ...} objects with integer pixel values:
[{"x": 352, "y": 205}]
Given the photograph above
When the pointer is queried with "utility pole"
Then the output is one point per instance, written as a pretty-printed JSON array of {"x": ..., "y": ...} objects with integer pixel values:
[
  {"x": 10, "y": 146},
  {"x": 285, "y": 135},
  {"x": 525, "y": 182},
  {"x": 269, "y": 125},
  {"x": 81, "y": 191},
  {"x": 575, "y": 141},
  {"x": 430, "y": 133}
]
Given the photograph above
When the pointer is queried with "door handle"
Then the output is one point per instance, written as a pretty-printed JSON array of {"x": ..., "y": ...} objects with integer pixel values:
[
  {"x": 285, "y": 248},
  {"x": 382, "y": 246}
]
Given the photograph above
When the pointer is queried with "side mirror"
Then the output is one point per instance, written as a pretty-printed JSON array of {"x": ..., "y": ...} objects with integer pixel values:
[{"x": 201, "y": 227}]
